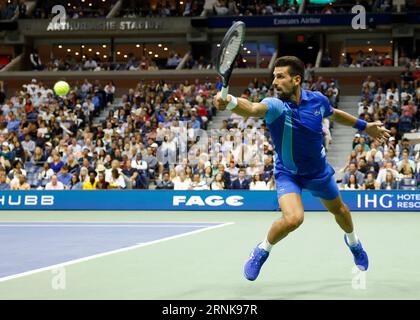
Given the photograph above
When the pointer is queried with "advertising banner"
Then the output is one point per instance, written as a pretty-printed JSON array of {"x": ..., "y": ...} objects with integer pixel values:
[{"x": 197, "y": 200}]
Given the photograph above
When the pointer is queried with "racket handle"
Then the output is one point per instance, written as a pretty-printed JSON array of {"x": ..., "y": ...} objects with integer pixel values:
[{"x": 225, "y": 91}]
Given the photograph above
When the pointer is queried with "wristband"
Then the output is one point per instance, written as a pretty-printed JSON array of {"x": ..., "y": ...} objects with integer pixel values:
[
  {"x": 360, "y": 124},
  {"x": 233, "y": 103}
]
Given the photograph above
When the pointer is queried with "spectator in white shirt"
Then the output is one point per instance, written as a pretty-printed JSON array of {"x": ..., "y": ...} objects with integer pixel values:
[
  {"x": 218, "y": 183},
  {"x": 28, "y": 145},
  {"x": 90, "y": 64},
  {"x": 54, "y": 184},
  {"x": 115, "y": 164},
  {"x": 181, "y": 182},
  {"x": 365, "y": 107},
  {"x": 383, "y": 171},
  {"x": 138, "y": 163},
  {"x": 352, "y": 184},
  {"x": 109, "y": 92},
  {"x": 257, "y": 183},
  {"x": 86, "y": 87},
  {"x": 198, "y": 183},
  {"x": 76, "y": 148},
  {"x": 117, "y": 180},
  {"x": 380, "y": 97}
]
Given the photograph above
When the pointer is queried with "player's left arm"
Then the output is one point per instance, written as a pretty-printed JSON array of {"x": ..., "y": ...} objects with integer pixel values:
[{"x": 375, "y": 129}]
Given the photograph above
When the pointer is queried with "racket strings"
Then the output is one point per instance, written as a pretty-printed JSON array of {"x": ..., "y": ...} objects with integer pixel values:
[{"x": 230, "y": 53}]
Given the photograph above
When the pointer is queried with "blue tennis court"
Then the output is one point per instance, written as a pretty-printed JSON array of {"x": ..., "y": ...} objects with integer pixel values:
[{"x": 27, "y": 246}]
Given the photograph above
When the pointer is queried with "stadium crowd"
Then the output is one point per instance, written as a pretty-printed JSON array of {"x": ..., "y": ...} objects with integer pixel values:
[
  {"x": 96, "y": 63},
  {"x": 190, "y": 8},
  {"x": 12, "y": 9},
  {"x": 374, "y": 59},
  {"x": 164, "y": 8},
  {"x": 396, "y": 163},
  {"x": 74, "y": 9},
  {"x": 157, "y": 136}
]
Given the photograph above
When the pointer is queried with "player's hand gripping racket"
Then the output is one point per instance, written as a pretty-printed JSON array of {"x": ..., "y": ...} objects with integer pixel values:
[{"x": 229, "y": 50}]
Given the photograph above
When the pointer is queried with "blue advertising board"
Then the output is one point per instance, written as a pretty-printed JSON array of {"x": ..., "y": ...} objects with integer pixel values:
[
  {"x": 197, "y": 200},
  {"x": 307, "y": 20}
]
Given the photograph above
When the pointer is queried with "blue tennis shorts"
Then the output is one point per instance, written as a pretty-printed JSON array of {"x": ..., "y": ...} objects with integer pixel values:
[{"x": 325, "y": 189}]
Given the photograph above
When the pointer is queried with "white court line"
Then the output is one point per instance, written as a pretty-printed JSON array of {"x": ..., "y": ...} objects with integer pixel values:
[
  {"x": 106, "y": 222},
  {"x": 99, "y": 255},
  {"x": 100, "y": 225}
]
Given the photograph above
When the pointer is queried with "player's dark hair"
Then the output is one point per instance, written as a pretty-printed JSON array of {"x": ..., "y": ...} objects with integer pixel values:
[{"x": 296, "y": 66}]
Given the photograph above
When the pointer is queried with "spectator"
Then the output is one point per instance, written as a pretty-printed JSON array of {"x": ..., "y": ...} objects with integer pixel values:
[
  {"x": 151, "y": 160},
  {"x": 218, "y": 183},
  {"x": 353, "y": 171},
  {"x": 64, "y": 176},
  {"x": 4, "y": 184},
  {"x": 232, "y": 170},
  {"x": 22, "y": 9},
  {"x": 370, "y": 183},
  {"x": 257, "y": 183},
  {"x": 388, "y": 167},
  {"x": 271, "y": 184},
  {"x": 20, "y": 184},
  {"x": 388, "y": 61},
  {"x": 208, "y": 9},
  {"x": 117, "y": 180},
  {"x": 91, "y": 183},
  {"x": 166, "y": 182},
  {"x": 36, "y": 61},
  {"x": 136, "y": 180},
  {"x": 173, "y": 60},
  {"x": 90, "y": 64},
  {"x": 181, "y": 182},
  {"x": 241, "y": 182},
  {"x": 208, "y": 176},
  {"x": 110, "y": 91},
  {"x": 75, "y": 183},
  {"x": 28, "y": 146},
  {"x": 46, "y": 172},
  {"x": 56, "y": 163},
  {"x": 102, "y": 184},
  {"x": 54, "y": 184},
  {"x": 197, "y": 183},
  {"x": 352, "y": 183},
  {"x": 220, "y": 8},
  {"x": 389, "y": 183}
]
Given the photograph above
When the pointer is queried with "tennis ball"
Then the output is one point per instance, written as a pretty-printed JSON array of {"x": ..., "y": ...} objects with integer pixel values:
[{"x": 61, "y": 88}]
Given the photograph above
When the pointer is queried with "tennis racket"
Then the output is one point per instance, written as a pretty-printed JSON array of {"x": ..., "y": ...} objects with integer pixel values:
[{"x": 229, "y": 49}]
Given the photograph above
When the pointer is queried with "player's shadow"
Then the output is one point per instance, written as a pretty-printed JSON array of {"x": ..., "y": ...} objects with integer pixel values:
[
  {"x": 288, "y": 290},
  {"x": 279, "y": 290}
]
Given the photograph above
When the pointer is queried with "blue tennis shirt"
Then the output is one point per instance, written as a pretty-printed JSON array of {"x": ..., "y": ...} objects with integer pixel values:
[{"x": 296, "y": 131}]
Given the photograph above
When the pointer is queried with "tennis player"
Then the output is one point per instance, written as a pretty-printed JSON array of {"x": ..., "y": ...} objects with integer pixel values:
[{"x": 294, "y": 119}]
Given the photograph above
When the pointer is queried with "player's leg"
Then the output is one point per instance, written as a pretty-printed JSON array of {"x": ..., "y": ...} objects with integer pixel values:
[
  {"x": 292, "y": 209},
  {"x": 288, "y": 191},
  {"x": 341, "y": 214},
  {"x": 331, "y": 199}
]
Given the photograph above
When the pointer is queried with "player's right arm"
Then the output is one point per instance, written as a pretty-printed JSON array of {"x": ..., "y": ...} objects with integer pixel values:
[{"x": 243, "y": 107}]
